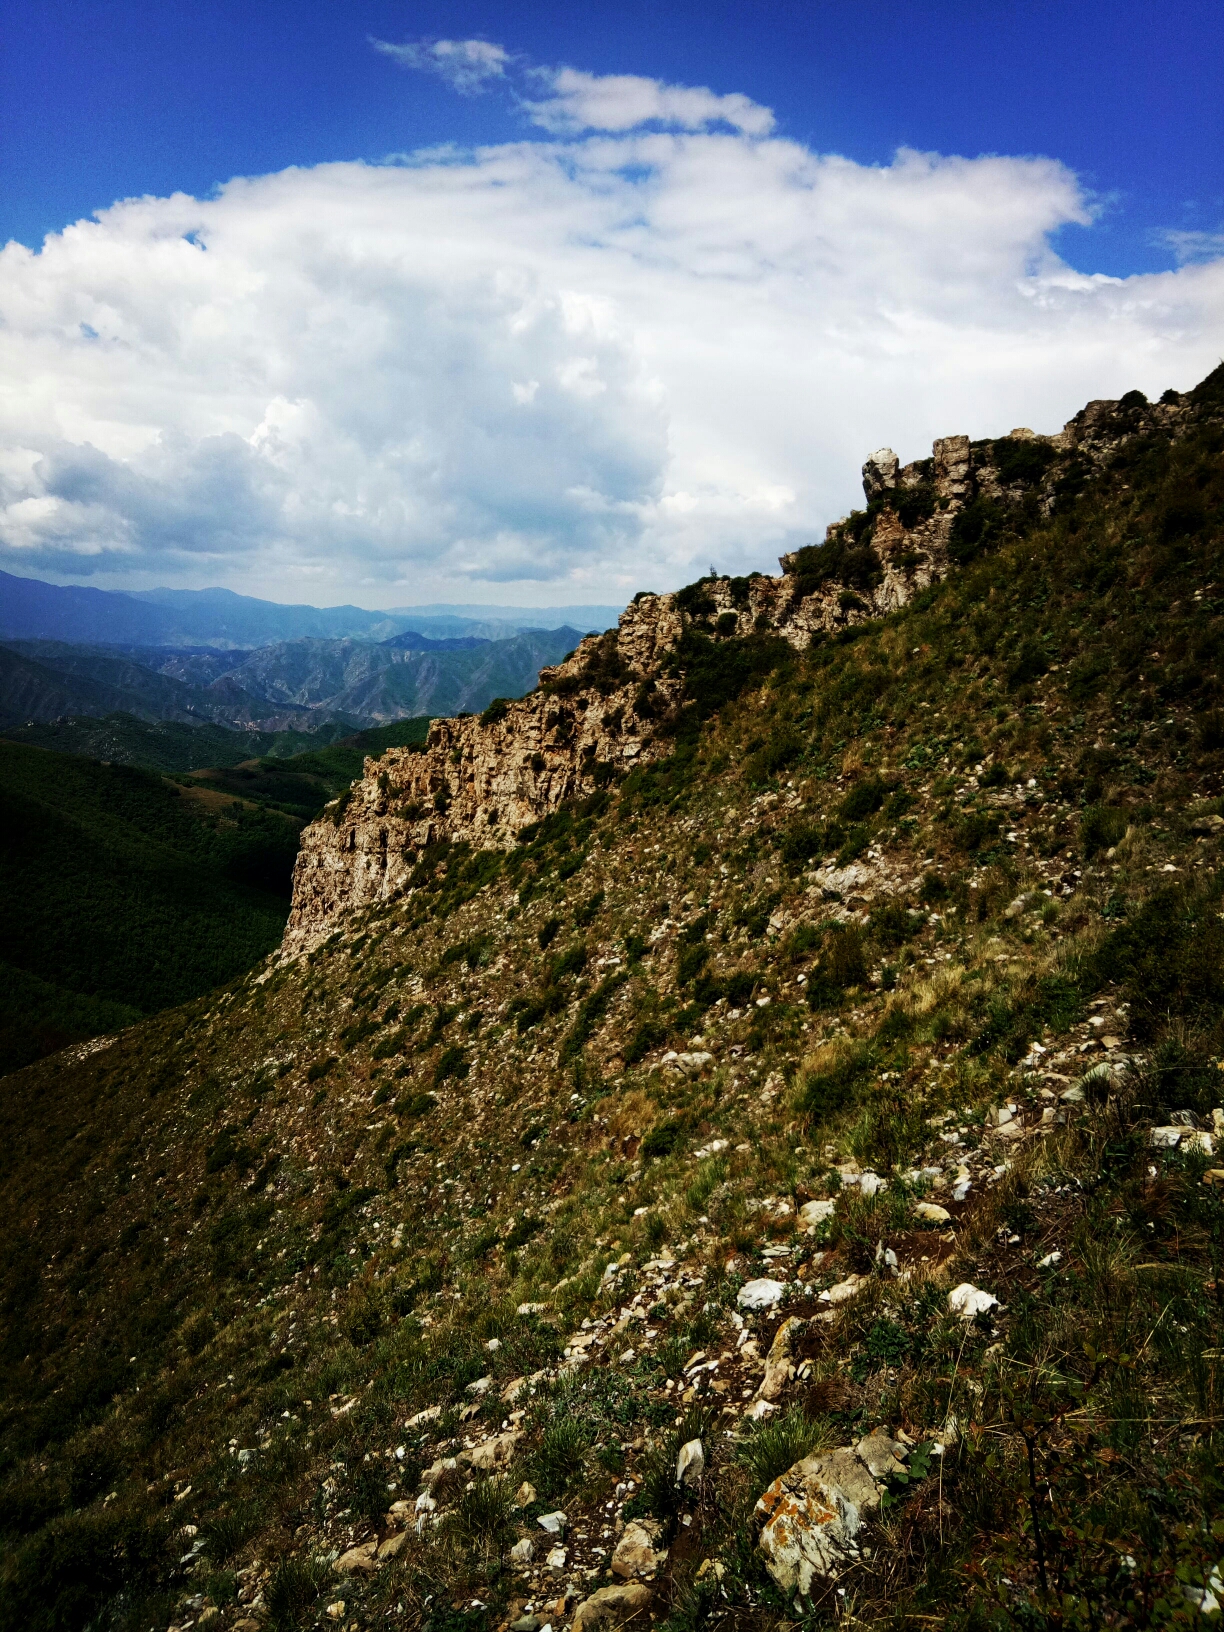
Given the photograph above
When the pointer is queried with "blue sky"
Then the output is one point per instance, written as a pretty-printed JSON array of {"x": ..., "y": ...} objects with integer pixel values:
[
  {"x": 102, "y": 101},
  {"x": 392, "y": 303}
]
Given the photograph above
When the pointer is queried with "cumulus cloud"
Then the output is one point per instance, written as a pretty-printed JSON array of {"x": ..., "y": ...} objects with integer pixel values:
[
  {"x": 556, "y": 369},
  {"x": 575, "y": 101},
  {"x": 467, "y": 65}
]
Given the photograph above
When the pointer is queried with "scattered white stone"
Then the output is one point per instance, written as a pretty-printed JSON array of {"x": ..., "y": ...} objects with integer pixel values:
[
  {"x": 556, "y": 1558},
  {"x": 553, "y": 1523},
  {"x": 968, "y": 1301},
  {"x": 522, "y": 1553},
  {"x": 760, "y": 1294},
  {"x": 690, "y": 1464},
  {"x": 1049, "y": 1261},
  {"x": 930, "y": 1212},
  {"x": 844, "y": 1290},
  {"x": 814, "y": 1213}
]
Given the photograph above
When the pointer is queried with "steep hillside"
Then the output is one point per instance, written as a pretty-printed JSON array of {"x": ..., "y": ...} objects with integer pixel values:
[{"x": 758, "y": 1179}]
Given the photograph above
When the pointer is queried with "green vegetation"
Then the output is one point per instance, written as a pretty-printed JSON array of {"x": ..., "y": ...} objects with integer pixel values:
[{"x": 123, "y": 895}]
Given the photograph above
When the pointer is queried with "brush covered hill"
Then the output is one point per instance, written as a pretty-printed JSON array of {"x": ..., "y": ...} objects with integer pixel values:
[
  {"x": 842, "y": 1059},
  {"x": 123, "y": 894},
  {"x": 126, "y": 892}
]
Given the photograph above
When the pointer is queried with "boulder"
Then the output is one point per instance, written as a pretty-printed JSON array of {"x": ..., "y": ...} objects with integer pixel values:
[
  {"x": 813, "y": 1514},
  {"x": 357, "y": 1558},
  {"x": 612, "y": 1607},
  {"x": 638, "y": 1554},
  {"x": 522, "y": 1553},
  {"x": 880, "y": 473},
  {"x": 388, "y": 1548},
  {"x": 494, "y": 1453}
]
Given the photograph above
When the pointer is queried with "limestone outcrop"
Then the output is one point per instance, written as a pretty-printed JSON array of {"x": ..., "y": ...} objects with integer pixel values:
[{"x": 481, "y": 779}]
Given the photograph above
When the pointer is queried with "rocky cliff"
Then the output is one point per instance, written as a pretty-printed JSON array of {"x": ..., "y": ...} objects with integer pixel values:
[{"x": 612, "y": 704}]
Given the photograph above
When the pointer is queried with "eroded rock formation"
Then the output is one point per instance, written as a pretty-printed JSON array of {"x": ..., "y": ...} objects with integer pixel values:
[{"x": 481, "y": 780}]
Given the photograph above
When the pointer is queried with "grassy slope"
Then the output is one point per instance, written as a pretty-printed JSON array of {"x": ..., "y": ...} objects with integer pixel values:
[
  {"x": 121, "y": 896},
  {"x": 291, "y": 1222}
]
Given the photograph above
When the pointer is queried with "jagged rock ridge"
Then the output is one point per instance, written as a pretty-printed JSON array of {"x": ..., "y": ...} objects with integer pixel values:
[{"x": 481, "y": 780}]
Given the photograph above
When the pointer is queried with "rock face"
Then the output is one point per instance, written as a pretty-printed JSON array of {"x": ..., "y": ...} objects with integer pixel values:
[{"x": 480, "y": 780}]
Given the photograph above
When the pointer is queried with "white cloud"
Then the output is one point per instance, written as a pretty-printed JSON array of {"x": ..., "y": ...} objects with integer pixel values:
[
  {"x": 1191, "y": 248},
  {"x": 577, "y": 101},
  {"x": 555, "y": 369},
  {"x": 468, "y": 65}
]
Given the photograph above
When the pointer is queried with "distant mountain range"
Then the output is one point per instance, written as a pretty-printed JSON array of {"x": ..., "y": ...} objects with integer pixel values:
[
  {"x": 33, "y": 610},
  {"x": 294, "y": 685}
]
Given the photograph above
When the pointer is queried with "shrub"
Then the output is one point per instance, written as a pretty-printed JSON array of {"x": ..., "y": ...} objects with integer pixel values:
[
  {"x": 913, "y": 504},
  {"x": 497, "y": 710},
  {"x": 976, "y": 528},
  {"x": 769, "y": 1448},
  {"x": 831, "y": 1086},
  {"x": 842, "y": 963},
  {"x": 483, "y": 1516},
  {"x": 292, "y": 1592},
  {"x": 662, "y": 1140},
  {"x": 1100, "y": 828},
  {"x": 561, "y": 1456},
  {"x": 649, "y": 1034},
  {"x": 320, "y": 1068},
  {"x": 547, "y": 933},
  {"x": 453, "y": 1063},
  {"x": 1019, "y": 460},
  {"x": 864, "y": 799}
]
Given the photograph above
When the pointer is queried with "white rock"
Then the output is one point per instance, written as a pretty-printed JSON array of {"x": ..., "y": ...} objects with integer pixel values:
[
  {"x": 522, "y": 1553},
  {"x": 932, "y": 1213},
  {"x": 638, "y": 1555},
  {"x": 613, "y": 1606},
  {"x": 431, "y": 1413},
  {"x": 553, "y": 1523},
  {"x": 1049, "y": 1261},
  {"x": 844, "y": 1290},
  {"x": 556, "y": 1558},
  {"x": 760, "y": 1294},
  {"x": 968, "y": 1301},
  {"x": 690, "y": 1464},
  {"x": 814, "y": 1213}
]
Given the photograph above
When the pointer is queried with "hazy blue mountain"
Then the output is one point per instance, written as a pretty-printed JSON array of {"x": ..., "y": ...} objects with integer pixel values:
[
  {"x": 33, "y": 610},
  {"x": 296, "y": 685}
]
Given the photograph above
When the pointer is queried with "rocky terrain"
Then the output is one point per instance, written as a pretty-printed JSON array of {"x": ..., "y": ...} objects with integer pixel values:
[{"x": 764, "y": 1178}]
